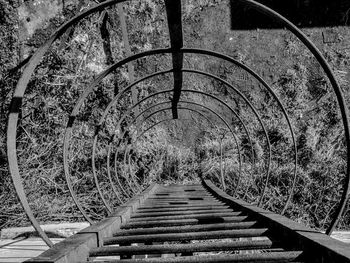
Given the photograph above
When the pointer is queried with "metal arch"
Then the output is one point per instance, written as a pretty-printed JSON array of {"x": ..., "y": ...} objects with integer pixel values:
[
  {"x": 197, "y": 51},
  {"x": 85, "y": 94},
  {"x": 261, "y": 198},
  {"x": 339, "y": 94},
  {"x": 67, "y": 135},
  {"x": 260, "y": 80},
  {"x": 115, "y": 99},
  {"x": 260, "y": 7},
  {"x": 198, "y": 92},
  {"x": 210, "y": 110},
  {"x": 217, "y": 115}
]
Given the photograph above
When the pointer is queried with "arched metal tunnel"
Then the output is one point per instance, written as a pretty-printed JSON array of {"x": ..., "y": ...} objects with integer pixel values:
[{"x": 147, "y": 112}]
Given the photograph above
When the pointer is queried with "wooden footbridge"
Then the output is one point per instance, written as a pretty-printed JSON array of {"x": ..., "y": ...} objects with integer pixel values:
[{"x": 181, "y": 223}]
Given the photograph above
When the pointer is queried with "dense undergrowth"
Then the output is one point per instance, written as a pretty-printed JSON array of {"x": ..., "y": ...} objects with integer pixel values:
[{"x": 176, "y": 151}]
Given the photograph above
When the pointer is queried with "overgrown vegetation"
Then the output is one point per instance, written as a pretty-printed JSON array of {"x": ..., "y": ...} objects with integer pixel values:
[{"x": 178, "y": 150}]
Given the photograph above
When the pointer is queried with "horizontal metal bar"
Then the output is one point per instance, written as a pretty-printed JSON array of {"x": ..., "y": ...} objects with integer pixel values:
[
  {"x": 182, "y": 199},
  {"x": 174, "y": 213},
  {"x": 188, "y": 216},
  {"x": 183, "y": 194},
  {"x": 182, "y": 189},
  {"x": 220, "y": 234},
  {"x": 182, "y": 248},
  {"x": 186, "y": 190},
  {"x": 196, "y": 197},
  {"x": 187, "y": 228},
  {"x": 183, "y": 185},
  {"x": 193, "y": 208},
  {"x": 182, "y": 222},
  {"x": 183, "y": 202},
  {"x": 280, "y": 257},
  {"x": 182, "y": 206},
  {"x": 172, "y": 204}
]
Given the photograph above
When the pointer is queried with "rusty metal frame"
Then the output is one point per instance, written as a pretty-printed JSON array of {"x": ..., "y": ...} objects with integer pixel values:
[{"x": 16, "y": 103}]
